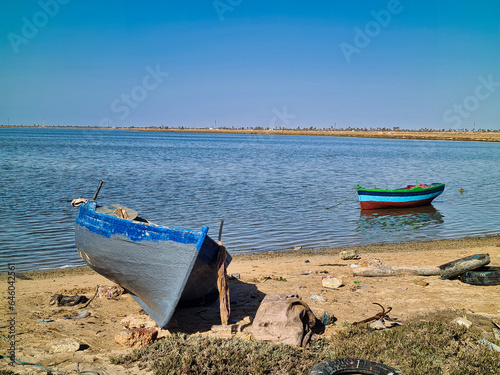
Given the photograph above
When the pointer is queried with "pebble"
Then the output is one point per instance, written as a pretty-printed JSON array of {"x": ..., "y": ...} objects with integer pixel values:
[
  {"x": 68, "y": 345},
  {"x": 349, "y": 254},
  {"x": 136, "y": 338},
  {"x": 82, "y": 314},
  {"x": 331, "y": 282},
  {"x": 463, "y": 321}
]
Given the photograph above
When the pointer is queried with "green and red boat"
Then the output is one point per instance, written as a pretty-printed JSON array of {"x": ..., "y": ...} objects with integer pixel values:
[{"x": 410, "y": 196}]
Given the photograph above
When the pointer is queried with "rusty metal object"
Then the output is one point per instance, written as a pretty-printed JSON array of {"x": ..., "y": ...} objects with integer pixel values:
[{"x": 377, "y": 316}]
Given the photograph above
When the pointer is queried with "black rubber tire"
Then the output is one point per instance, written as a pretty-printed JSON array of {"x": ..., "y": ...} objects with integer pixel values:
[
  {"x": 352, "y": 366},
  {"x": 460, "y": 266},
  {"x": 482, "y": 276}
]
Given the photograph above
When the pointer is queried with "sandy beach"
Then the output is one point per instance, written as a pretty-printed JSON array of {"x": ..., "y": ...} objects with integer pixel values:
[
  {"x": 476, "y": 136},
  {"x": 39, "y": 325}
]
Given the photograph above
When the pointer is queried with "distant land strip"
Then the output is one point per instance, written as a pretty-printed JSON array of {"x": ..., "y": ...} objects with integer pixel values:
[{"x": 423, "y": 134}]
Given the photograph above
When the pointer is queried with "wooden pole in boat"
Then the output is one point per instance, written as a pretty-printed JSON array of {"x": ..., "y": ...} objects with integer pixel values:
[
  {"x": 220, "y": 228},
  {"x": 97, "y": 191}
]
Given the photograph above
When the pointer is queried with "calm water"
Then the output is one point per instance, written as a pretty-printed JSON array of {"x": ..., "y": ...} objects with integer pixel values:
[{"x": 272, "y": 191}]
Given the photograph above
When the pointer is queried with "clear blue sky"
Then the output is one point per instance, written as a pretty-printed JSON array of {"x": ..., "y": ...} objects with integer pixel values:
[{"x": 412, "y": 64}]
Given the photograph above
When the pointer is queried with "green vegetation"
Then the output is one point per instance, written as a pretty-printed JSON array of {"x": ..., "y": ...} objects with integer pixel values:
[{"x": 420, "y": 348}]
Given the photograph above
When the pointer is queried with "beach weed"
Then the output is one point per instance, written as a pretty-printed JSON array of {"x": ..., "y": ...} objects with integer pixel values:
[{"x": 423, "y": 348}]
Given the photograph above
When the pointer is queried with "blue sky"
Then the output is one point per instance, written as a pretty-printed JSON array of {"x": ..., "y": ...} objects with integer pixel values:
[{"x": 412, "y": 64}]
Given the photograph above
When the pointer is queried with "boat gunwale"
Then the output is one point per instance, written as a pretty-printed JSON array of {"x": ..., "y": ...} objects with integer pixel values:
[
  {"x": 416, "y": 190},
  {"x": 137, "y": 231}
]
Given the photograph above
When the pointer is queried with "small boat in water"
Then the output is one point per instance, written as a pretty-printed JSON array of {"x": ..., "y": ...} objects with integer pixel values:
[
  {"x": 159, "y": 266},
  {"x": 410, "y": 196}
]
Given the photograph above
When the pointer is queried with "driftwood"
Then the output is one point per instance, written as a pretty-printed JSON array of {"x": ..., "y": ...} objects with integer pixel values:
[{"x": 392, "y": 271}]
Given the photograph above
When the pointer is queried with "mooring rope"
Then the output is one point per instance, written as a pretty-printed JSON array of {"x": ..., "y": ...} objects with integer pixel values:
[{"x": 343, "y": 200}]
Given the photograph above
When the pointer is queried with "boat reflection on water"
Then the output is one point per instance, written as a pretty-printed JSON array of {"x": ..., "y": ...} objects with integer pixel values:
[{"x": 399, "y": 219}]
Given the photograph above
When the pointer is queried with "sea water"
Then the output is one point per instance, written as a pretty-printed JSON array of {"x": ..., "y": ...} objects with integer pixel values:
[{"x": 274, "y": 192}]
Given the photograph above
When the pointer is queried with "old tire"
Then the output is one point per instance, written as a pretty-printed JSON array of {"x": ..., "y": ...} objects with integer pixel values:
[
  {"x": 482, "y": 276},
  {"x": 460, "y": 266},
  {"x": 352, "y": 366}
]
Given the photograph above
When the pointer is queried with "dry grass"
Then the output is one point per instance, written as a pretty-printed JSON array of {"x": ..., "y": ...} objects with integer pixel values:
[{"x": 419, "y": 348}]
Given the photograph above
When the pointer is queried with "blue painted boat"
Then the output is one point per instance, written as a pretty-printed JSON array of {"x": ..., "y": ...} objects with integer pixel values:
[
  {"x": 410, "y": 196},
  {"x": 159, "y": 266}
]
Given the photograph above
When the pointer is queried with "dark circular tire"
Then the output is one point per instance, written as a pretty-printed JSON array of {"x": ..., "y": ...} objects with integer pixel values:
[
  {"x": 460, "y": 266},
  {"x": 352, "y": 366},
  {"x": 482, "y": 276}
]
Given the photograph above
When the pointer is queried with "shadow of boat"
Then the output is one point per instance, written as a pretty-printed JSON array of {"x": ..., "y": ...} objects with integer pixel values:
[
  {"x": 399, "y": 219},
  {"x": 245, "y": 300}
]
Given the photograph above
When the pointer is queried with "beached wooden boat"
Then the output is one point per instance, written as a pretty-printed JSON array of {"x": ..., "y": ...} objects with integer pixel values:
[
  {"x": 410, "y": 196},
  {"x": 159, "y": 266}
]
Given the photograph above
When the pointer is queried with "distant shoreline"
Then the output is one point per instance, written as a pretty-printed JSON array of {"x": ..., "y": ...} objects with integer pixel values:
[{"x": 475, "y": 136}]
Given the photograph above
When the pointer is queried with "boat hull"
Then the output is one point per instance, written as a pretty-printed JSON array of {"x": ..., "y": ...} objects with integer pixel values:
[
  {"x": 371, "y": 199},
  {"x": 158, "y": 266}
]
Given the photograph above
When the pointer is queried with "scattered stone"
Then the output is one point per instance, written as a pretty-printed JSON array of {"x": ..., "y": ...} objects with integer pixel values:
[
  {"x": 163, "y": 333},
  {"x": 371, "y": 262},
  {"x": 68, "y": 345},
  {"x": 82, "y": 314},
  {"x": 331, "y": 282},
  {"x": 220, "y": 328},
  {"x": 349, "y": 254},
  {"x": 297, "y": 248},
  {"x": 136, "y": 338},
  {"x": 138, "y": 321},
  {"x": 110, "y": 291},
  {"x": 463, "y": 321},
  {"x": 421, "y": 282}
]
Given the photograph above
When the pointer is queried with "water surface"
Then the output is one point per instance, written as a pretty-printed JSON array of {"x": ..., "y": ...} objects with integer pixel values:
[{"x": 272, "y": 191}]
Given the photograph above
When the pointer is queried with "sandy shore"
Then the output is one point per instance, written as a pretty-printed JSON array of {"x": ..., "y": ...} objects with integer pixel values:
[
  {"x": 38, "y": 325},
  {"x": 479, "y": 136}
]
